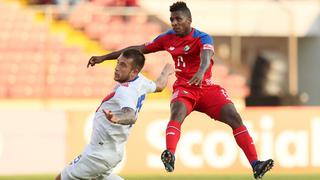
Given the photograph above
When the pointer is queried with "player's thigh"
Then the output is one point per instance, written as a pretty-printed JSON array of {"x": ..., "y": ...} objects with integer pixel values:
[
  {"x": 186, "y": 96},
  {"x": 84, "y": 167},
  {"x": 212, "y": 101}
]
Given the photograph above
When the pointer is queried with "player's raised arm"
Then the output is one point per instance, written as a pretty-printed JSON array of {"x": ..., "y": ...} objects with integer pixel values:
[
  {"x": 162, "y": 80},
  {"x": 114, "y": 55}
]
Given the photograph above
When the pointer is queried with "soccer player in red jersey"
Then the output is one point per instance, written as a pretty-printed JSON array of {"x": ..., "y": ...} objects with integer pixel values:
[{"x": 192, "y": 52}]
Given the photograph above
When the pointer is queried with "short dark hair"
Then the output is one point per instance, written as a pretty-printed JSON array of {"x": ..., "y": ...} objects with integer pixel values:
[
  {"x": 180, "y": 6},
  {"x": 137, "y": 56}
]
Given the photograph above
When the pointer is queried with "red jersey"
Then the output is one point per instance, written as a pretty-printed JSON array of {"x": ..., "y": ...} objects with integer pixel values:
[{"x": 185, "y": 52}]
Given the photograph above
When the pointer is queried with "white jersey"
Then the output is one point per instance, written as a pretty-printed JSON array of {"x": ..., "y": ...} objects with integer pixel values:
[
  {"x": 130, "y": 94},
  {"x": 106, "y": 147}
]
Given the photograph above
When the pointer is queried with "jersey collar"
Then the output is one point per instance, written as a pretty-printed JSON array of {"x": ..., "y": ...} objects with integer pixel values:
[
  {"x": 188, "y": 36},
  {"x": 134, "y": 78}
]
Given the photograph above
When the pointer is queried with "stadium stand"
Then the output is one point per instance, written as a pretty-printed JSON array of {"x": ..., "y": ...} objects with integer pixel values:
[{"x": 36, "y": 63}]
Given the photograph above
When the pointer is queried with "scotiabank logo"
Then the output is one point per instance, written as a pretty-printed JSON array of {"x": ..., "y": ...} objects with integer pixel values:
[{"x": 289, "y": 147}]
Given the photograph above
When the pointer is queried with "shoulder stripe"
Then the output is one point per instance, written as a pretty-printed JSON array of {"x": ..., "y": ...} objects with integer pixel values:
[
  {"x": 166, "y": 33},
  {"x": 109, "y": 96},
  {"x": 204, "y": 37},
  {"x": 208, "y": 46}
]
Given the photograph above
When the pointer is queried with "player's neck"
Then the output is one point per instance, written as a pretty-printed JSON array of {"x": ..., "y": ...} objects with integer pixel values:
[
  {"x": 186, "y": 33},
  {"x": 133, "y": 78}
]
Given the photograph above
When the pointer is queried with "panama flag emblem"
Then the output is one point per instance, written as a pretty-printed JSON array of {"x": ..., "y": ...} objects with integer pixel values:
[{"x": 186, "y": 48}]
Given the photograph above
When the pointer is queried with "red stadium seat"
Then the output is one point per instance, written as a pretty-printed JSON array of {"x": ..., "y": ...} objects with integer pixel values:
[
  {"x": 23, "y": 91},
  {"x": 81, "y": 15},
  {"x": 3, "y": 91},
  {"x": 111, "y": 41},
  {"x": 95, "y": 29}
]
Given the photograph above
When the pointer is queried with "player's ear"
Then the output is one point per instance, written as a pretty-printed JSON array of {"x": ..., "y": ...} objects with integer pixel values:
[{"x": 135, "y": 71}]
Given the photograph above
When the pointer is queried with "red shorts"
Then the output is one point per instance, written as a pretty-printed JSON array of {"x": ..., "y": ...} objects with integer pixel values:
[{"x": 209, "y": 99}]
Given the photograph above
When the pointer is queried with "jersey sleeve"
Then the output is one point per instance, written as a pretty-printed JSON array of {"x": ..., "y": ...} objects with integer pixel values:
[
  {"x": 126, "y": 97},
  {"x": 206, "y": 42},
  {"x": 149, "y": 86},
  {"x": 156, "y": 44}
]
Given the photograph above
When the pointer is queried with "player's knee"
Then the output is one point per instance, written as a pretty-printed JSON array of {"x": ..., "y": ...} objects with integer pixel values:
[
  {"x": 177, "y": 115},
  {"x": 235, "y": 117},
  {"x": 178, "y": 112},
  {"x": 230, "y": 116}
]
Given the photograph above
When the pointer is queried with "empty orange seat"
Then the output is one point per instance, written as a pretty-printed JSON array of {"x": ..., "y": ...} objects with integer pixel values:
[{"x": 25, "y": 91}]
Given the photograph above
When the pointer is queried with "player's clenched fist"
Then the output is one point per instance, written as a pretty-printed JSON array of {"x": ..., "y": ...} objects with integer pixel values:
[{"x": 95, "y": 60}]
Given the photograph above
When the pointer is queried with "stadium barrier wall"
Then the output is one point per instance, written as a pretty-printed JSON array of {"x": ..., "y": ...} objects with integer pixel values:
[
  {"x": 43, "y": 141},
  {"x": 32, "y": 141}
]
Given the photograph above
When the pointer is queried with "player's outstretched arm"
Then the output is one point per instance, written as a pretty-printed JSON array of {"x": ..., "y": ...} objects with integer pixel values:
[
  {"x": 114, "y": 55},
  {"x": 162, "y": 80},
  {"x": 125, "y": 116}
]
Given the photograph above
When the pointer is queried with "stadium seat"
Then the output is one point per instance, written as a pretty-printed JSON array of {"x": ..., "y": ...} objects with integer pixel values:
[
  {"x": 104, "y": 2},
  {"x": 37, "y": 63},
  {"x": 95, "y": 29},
  {"x": 3, "y": 91},
  {"x": 111, "y": 41},
  {"x": 26, "y": 91},
  {"x": 82, "y": 14}
]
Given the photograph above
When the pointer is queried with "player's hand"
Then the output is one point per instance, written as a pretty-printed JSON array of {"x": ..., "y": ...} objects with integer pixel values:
[
  {"x": 109, "y": 115},
  {"x": 94, "y": 60},
  {"x": 196, "y": 79},
  {"x": 169, "y": 69}
]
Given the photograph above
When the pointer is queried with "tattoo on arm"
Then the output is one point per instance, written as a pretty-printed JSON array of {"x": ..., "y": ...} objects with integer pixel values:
[
  {"x": 205, "y": 57},
  {"x": 126, "y": 116}
]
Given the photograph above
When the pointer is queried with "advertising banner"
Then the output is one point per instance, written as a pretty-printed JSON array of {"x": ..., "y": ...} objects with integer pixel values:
[
  {"x": 44, "y": 141},
  {"x": 32, "y": 141},
  {"x": 289, "y": 135}
]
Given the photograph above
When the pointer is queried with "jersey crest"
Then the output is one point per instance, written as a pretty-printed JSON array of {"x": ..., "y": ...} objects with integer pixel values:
[{"x": 186, "y": 48}]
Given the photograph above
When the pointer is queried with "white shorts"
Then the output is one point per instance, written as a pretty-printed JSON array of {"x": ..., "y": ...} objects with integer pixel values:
[{"x": 88, "y": 165}]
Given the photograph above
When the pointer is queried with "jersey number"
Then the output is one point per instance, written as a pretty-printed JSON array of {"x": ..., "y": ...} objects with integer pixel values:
[
  {"x": 180, "y": 62},
  {"x": 140, "y": 102}
]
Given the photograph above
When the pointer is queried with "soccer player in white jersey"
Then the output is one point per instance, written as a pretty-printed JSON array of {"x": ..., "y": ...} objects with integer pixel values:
[{"x": 114, "y": 118}]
